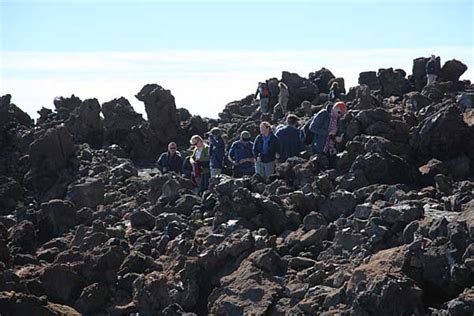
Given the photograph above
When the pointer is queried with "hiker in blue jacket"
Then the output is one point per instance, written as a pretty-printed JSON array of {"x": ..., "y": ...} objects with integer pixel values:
[
  {"x": 216, "y": 151},
  {"x": 325, "y": 127},
  {"x": 241, "y": 156},
  {"x": 289, "y": 137},
  {"x": 265, "y": 149}
]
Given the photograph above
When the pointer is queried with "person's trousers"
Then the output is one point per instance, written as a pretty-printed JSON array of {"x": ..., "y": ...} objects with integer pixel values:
[
  {"x": 203, "y": 182},
  {"x": 430, "y": 79},
  {"x": 265, "y": 169},
  {"x": 264, "y": 105}
]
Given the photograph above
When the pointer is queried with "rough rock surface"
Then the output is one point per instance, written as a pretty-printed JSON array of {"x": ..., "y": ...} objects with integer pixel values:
[{"x": 89, "y": 225}]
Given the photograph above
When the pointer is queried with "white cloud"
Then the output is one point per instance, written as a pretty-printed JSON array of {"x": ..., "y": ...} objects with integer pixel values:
[{"x": 201, "y": 81}]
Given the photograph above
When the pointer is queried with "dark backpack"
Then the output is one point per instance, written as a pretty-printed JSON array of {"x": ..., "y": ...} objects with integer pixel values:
[
  {"x": 264, "y": 91},
  {"x": 306, "y": 135}
]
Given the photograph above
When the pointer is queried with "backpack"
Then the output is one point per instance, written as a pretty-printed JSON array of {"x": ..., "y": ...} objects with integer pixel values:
[
  {"x": 306, "y": 135},
  {"x": 264, "y": 91}
]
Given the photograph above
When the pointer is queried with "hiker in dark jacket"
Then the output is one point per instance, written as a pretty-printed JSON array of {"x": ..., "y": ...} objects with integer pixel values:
[
  {"x": 289, "y": 137},
  {"x": 264, "y": 93},
  {"x": 265, "y": 149},
  {"x": 325, "y": 126},
  {"x": 170, "y": 160},
  {"x": 334, "y": 92},
  {"x": 431, "y": 70},
  {"x": 216, "y": 151},
  {"x": 241, "y": 156}
]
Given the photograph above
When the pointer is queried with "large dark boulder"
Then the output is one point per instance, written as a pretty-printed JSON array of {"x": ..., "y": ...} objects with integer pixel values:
[
  {"x": 301, "y": 89},
  {"x": 87, "y": 193},
  {"x": 370, "y": 79},
  {"x": 9, "y": 112},
  {"x": 61, "y": 283},
  {"x": 393, "y": 82},
  {"x": 55, "y": 218},
  {"x": 119, "y": 118},
  {"x": 452, "y": 70},
  {"x": 442, "y": 135},
  {"x": 85, "y": 124},
  {"x": 10, "y": 193},
  {"x": 51, "y": 163},
  {"x": 161, "y": 112},
  {"x": 65, "y": 106},
  {"x": 321, "y": 79}
]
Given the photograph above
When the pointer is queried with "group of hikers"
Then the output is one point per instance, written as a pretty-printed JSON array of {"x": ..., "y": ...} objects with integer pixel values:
[{"x": 211, "y": 155}]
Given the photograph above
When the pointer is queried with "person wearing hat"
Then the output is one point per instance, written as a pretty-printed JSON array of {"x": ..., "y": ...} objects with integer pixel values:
[
  {"x": 241, "y": 156},
  {"x": 216, "y": 151},
  {"x": 200, "y": 163},
  {"x": 325, "y": 126}
]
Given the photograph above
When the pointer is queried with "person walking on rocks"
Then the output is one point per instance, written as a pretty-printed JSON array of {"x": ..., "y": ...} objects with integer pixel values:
[
  {"x": 241, "y": 156},
  {"x": 170, "y": 160},
  {"x": 264, "y": 96},
  {"x": 283, "y": 97},
  {"x": 325, "y": 126},
  {"x": 266, "y": 147},
  {"x": 289, "y": 137},
  {"x": 216, "y": 151},
  {"x": 200, "y": 161},
  {"x": 431, "y": 70},
  {"x": 334, "y": 92}
]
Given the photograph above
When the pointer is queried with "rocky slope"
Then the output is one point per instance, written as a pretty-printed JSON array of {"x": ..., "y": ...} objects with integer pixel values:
[{"x": 88, "y": 226}]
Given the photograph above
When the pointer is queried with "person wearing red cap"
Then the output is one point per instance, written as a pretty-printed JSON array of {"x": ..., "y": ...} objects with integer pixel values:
[{"x": 325, "y": 127}]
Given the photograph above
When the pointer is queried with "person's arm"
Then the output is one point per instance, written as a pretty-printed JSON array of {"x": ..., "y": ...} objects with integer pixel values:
[
  {"x": 231, "y": 154},
  {"x": 160, "y": 162},
  {"x": 255, "y": 149}
]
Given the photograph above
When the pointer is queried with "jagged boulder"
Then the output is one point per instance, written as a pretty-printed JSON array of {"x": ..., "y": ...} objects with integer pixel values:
[
  {"x": 9, "y": 112},
  {"x": 393, "y": 82},
  {"x": 87, "y": 193},
  {"x": 85, "y": 124},
  {"x": 300, "y": 89},
  {"x": 452, "y": 70},
  {"x": 370, "y": 79},
  {"x": 434, "y": 136},
  {"x": 10, "y": 193},
  {"x": 161, "y": 112},
  {"x": 321, "y": 79}
]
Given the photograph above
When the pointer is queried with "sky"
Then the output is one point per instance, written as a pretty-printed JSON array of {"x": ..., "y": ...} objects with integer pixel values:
[{"x": 209, "y": 53}]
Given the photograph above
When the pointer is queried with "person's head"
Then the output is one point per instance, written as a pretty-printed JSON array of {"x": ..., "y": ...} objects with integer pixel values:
[
  {"x": 282, "y": 85},
  {"x": 215, "y": 131},
  {"x": 339, "y": 108},
  {"x": 245, "y": 136},
  {"x": 292, "y": 120},
  {"x": 172, "y": 147},
  {"x": 334, "y": 85},
  {"x": 433, "y": 57},
  {"x": 197, "y": 141},
  {"x": 265, "y": 128},
  {"x": 225, "y": 138}
]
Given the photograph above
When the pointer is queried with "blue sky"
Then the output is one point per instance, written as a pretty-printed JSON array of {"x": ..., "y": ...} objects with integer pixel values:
[{"x": 195, "y": 47}]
